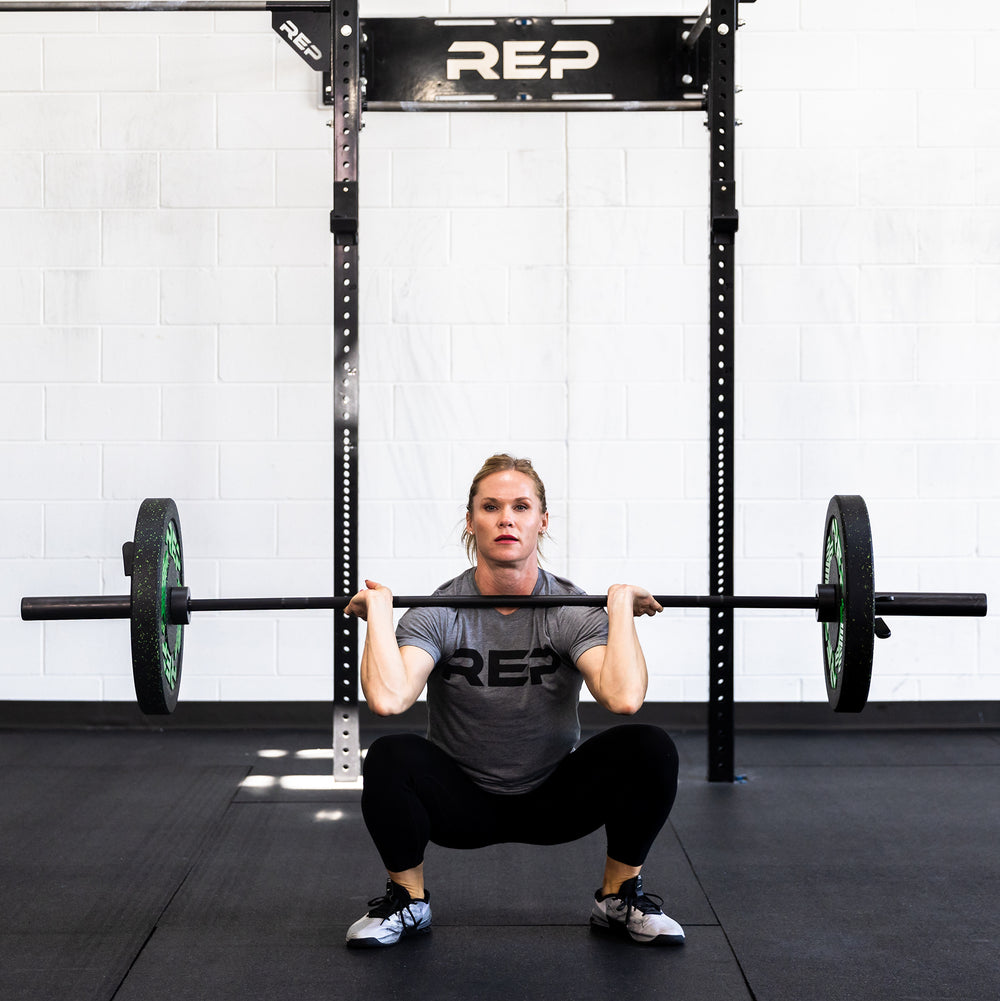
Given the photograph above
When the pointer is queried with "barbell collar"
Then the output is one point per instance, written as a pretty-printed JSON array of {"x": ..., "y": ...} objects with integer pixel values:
[
  {"x": 828, "y": 598},
  {"x": 180, "y": 605}
]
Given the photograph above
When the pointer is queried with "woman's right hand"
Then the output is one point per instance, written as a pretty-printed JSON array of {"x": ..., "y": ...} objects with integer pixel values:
[{"x": 362, "y": 602}]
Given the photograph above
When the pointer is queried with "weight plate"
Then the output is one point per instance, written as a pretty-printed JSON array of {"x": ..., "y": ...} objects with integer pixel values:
[
  {"x": 157, "y": 643},
  {"x": 848, "y": 642}
]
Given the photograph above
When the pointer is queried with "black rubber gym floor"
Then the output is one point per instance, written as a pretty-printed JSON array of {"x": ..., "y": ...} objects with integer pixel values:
[{"x": 141, "y": 865}]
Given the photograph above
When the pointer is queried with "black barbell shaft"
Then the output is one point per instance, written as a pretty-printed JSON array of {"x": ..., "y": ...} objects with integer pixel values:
[
  {"x": 886, "y": 603},
  {"x": 499, "y": 601}
]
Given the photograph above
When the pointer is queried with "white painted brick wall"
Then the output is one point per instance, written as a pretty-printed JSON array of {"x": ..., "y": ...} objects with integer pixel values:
[{"x": 534, "y": 283}]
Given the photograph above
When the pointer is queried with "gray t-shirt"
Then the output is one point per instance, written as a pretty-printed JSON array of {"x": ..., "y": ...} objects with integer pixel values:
[{"x": 503, "y": 695}]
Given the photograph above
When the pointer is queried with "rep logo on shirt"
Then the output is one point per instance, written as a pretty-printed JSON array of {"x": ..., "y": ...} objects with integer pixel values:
[{"x": 503, "y": 668}]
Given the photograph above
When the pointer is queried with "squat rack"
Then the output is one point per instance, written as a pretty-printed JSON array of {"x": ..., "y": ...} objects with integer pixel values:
[{"x": 594, "y": 63}]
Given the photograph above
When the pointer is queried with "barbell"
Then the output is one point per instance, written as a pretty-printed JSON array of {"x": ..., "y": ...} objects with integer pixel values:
[{"x": 159, "y": 606}]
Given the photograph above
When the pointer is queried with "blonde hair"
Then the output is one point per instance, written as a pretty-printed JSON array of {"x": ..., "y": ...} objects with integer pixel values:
[{"x": 500, "y": 463}]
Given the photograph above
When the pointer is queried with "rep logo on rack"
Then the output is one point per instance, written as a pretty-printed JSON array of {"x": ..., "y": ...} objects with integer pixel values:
[
  {"x": 521, "y": 59},
  {"x": 300, "y": 40}
]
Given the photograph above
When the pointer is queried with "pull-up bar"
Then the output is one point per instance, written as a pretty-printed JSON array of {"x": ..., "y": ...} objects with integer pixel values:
[{"x": 118, "y": 5}]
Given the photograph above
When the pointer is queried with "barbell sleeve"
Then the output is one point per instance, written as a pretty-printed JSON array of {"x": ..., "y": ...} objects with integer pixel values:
[
  {"x": 930, "y": 603},
  {"x": 98, "y": 606}
]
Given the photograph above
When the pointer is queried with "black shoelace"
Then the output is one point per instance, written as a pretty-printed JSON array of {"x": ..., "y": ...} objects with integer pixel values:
[
  {"x": 645, "y": 903},
  {"x": 386, "y": 905}
]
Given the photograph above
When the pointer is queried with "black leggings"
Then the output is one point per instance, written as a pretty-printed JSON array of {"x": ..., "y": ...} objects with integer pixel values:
[{"x": 623, "y": 779}]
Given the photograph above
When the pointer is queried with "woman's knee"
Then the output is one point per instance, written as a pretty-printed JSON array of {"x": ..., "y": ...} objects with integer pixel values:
[
  {"x": 650, "y": 750},
  {"x": 657, "y": 742},
  {"x": 642, "y": 735}
]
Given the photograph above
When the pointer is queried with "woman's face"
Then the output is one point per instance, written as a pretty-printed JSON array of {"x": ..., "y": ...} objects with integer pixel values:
[{"x": 506, "y": 518}]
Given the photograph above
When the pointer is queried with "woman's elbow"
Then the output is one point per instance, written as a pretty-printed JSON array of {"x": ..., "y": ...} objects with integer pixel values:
[
  {"x": 386, "y": 704},
  {"x": 624, "y": 705}
]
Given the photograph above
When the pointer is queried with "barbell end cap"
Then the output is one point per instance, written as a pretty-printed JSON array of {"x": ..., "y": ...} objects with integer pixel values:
[
  {"x": 827, "y": 603},
  {"x": 179, "y": 606}
]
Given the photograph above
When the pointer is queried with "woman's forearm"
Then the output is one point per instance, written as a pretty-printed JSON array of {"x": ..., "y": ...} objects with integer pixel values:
[{"x": 623, "y": 675}]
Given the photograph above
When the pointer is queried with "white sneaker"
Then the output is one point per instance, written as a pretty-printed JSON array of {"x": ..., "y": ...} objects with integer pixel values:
[
  {"x": 636, "y": 915},
  {"x": 390, "y": 918}
]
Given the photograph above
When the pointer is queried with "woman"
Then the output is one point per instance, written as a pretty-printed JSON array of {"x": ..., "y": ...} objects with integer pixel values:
[{"x": 498, "y": 763}]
